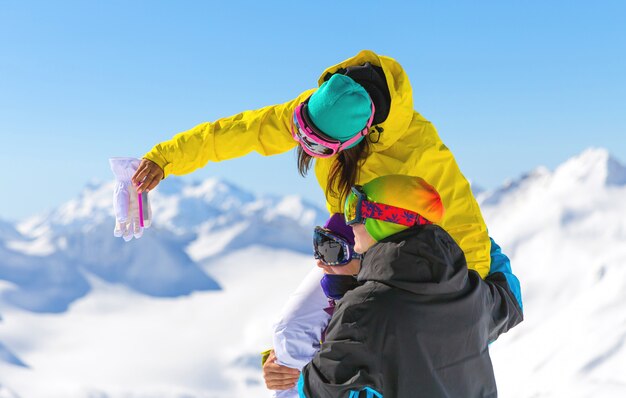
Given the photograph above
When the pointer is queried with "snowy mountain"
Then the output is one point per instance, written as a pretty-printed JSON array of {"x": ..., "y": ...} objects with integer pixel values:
[
  {"x": 50, "y": 261},
  {"x": 46, "y": 256},
  {"x": 565, "y": 232},
  {"x": 185, "y": 310}
]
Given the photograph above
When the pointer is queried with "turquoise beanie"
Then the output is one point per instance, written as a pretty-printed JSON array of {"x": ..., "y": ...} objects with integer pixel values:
[{"x": 340, "y": 108}]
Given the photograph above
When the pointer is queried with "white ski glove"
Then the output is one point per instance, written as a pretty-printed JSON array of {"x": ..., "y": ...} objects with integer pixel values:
[{"x": 132, "y": 211}]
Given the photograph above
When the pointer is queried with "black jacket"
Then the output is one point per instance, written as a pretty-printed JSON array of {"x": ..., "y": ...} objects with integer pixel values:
[{"x": 419, "y": 326}]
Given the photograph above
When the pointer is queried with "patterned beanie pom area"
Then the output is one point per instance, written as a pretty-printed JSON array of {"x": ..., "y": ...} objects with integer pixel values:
[{"x": 407, "y": 192}]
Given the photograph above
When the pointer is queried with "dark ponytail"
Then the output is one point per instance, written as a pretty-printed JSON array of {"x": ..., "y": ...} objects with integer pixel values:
[{"x": 344, "y": 171}]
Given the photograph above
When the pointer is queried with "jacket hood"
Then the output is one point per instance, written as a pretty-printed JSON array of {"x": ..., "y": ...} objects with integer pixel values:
[
  {"x": 400, "y": 91},
  {"x": 422, "y": 260}
]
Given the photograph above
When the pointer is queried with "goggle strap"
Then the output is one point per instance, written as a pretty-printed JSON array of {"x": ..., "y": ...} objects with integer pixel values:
[
  {"x": 302, "y": 113},
  {"x": 393, "y": 214}
]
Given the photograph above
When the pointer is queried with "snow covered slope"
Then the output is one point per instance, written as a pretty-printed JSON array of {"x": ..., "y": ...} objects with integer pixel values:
[
  {"x": 116, "y": 342},
  {"x": 565, "y": 232}
]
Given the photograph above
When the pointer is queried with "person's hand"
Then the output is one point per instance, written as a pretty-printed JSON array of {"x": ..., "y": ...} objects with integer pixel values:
[
  {"x": 352, "y": 268},
  {"x": 278, "y": 377},
  {"x": 147, "y": 176}
]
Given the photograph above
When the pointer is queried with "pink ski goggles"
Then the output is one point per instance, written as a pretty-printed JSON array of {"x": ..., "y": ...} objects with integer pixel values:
[{"x": 316, "y": 143}]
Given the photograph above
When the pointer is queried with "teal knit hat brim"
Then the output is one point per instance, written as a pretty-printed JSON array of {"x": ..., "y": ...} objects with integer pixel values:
[{"x": 340, "y": 108}]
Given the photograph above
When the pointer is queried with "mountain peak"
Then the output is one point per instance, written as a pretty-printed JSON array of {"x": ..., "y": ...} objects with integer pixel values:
[
  {"x": 590, "y": 171},
  {"x": 215, "y": 188},
  {"x": 593, "y": 166}
]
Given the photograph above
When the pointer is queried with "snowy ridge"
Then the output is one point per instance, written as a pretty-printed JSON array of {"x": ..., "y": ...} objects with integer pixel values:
[
  {"x": 46, "y": 256},
  {"x": 594, "y": 169},
  {"x": 565, "y": 232}
]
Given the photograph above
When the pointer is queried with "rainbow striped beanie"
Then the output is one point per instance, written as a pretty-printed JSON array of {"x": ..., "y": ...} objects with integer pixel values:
[{"x": 408, "y": 192}]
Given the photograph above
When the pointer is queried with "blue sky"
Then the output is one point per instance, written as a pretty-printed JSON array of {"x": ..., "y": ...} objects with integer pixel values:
[{"x": 509, "y": 85}]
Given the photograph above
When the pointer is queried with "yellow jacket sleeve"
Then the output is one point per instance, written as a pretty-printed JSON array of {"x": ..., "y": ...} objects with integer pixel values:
[{"x": 266, "y": 131}]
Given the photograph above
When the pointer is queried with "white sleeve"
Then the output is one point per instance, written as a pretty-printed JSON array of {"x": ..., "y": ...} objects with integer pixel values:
[
  {"x": 298, "y": 333},
  {"x": 302, "y": 321}
]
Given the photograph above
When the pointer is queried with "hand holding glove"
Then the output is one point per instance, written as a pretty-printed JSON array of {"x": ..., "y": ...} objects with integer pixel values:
[
  {"x": 132, "y": 210},
  {"x": 147, "y": 176}
]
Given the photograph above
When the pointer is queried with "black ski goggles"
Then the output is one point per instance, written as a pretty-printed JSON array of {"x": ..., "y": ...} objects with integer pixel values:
[{"x": 332, "y": 249}]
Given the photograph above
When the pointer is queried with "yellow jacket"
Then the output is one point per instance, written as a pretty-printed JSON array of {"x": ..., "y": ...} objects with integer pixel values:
[{"x": 409, "y": 144}]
